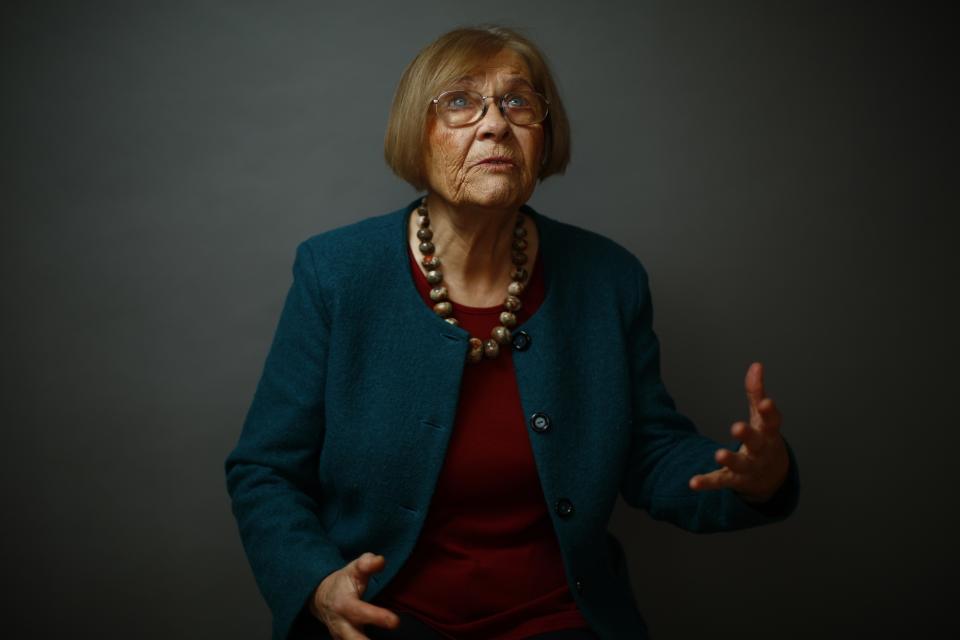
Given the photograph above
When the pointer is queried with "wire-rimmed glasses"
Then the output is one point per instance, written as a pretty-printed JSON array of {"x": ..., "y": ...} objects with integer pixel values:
[{"x": 460, "y": 107}]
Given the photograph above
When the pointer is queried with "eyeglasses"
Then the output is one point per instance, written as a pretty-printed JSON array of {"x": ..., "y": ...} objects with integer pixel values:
[{"x": 461, "y": 107}]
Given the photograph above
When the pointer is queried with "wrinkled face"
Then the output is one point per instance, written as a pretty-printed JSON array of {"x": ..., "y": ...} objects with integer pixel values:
[{"x": 492, "y": 163}]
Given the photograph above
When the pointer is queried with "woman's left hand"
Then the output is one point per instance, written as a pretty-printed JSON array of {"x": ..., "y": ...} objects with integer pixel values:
[{"x": 760, "y": 466}]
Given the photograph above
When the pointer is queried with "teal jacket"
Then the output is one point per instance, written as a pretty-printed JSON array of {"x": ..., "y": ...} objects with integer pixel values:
[{"x": 346, "y": 434}]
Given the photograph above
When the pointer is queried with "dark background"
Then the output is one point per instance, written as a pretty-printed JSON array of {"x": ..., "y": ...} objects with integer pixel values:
[{"x": 780, "y": 168}]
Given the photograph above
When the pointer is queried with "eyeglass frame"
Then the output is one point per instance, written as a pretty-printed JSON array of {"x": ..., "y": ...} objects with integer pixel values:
[{"x": 483, "y": 112}]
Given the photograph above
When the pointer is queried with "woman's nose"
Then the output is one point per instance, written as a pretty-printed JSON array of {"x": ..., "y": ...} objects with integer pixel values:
[{"x": 493, "y": 124}]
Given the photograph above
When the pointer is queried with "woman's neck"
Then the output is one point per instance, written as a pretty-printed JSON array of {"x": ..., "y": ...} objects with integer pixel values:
[{"x": 474, "y": 247}]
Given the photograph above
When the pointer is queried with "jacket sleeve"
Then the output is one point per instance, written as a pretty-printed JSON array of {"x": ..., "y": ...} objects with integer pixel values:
[
  {"x": 666, "y": 449},
  {"x": 272, "y": 472}
]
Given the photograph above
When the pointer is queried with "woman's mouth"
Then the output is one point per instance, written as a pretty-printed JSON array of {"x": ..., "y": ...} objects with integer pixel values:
[{"x": 497, "y": 162}]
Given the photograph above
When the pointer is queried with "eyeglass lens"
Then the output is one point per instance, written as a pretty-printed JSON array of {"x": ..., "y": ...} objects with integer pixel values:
[{"x": 459, "y": 108}]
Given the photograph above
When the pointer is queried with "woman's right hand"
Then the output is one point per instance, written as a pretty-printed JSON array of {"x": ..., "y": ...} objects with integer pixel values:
[{"x": 336, "y": 601}]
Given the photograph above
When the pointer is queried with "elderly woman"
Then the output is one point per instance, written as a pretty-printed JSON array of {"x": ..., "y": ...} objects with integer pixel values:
[{"x": 458, "y": 390}]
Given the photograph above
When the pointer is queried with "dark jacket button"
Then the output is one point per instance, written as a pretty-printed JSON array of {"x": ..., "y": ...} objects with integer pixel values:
[
  {"x": 564, "y": 508},
  {"x": 540, "y": 422},
  {"x": 521, "y": 341},
  {"x": 578, "y": 583}
]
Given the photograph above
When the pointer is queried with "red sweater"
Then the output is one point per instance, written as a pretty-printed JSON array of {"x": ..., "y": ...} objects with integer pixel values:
[{"x": 487, "y": 564}]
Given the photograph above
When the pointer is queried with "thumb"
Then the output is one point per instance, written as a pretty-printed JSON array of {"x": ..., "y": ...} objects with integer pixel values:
[{"x": 363, "y": 566}]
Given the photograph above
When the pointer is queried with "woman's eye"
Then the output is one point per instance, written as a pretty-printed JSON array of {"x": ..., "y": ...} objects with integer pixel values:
[
  {"x": 517, "y": 102},
  {"x": 457, "y": 102}
]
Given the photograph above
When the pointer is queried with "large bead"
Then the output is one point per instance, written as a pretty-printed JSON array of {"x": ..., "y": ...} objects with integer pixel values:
[
  {"x": 507, "y": 319},
  {"x": 491, "y": 349},
  {"x": 512, "y": 303},
  {"x": 453, "y": 321},
  {"x": 443, "y": 309},
  {"x": 520, "y": 232},
  {"x": 518, "y": 243},
  {"x": 438, "y": 294},
  {"x": 501, "y": 335},
  {"x": 515, "y": 288},
  {"x": 519, "y": 257},
  {"x": 423, "y": 221},
  {"x": 422, "y": 210},
  {"x": 427, "y": 248},
  {"x": 519, "y": 274},
  {"x": 427, "y": 234},
  {"x": 434, "y": 276},
  {"x": 475, "y": 353},
  {"x": 430, "y": 262}
]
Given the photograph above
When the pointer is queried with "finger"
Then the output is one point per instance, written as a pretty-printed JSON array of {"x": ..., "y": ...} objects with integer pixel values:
[
  {"x": 352, "y": 567},
  {"x": 770, "y": 417},
  {"x": 359, "y": 613},
  {"x": 736, "y": 462},
  {"x": 366, "y": 565},
  {"x": 719, "y": 479},
  {"x": 750, "y": 437},
  {"x": 361, "y": 568},
  {"x": 366, "y": 562},
  {"x": 753, "y": 383}
]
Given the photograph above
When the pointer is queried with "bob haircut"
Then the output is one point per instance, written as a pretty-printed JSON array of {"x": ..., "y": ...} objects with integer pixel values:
[{"x": 440, "y": 63}]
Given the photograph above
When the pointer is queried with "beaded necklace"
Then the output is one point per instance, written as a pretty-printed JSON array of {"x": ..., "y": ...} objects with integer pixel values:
[{"x": 440, "y": 296}]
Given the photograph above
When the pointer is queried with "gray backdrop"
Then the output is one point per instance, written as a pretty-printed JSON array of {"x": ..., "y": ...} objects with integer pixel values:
[{"x": 780, "y": 168}]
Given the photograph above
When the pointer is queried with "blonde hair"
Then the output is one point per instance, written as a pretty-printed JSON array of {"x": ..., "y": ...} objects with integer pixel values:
[{"x": 447, "y": 58}]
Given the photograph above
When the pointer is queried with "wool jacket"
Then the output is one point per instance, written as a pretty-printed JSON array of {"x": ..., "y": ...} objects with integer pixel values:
[{"x": 346, "y": 435}]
